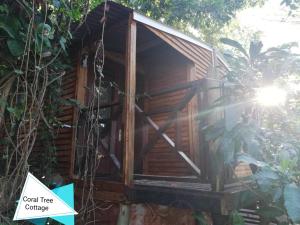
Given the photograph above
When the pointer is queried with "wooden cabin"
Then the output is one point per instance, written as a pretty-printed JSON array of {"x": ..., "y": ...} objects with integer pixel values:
[{"x": 156, "y": 82}]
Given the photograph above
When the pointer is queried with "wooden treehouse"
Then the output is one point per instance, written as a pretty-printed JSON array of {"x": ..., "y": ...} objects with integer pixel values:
[{"x": 156, "y": 84}]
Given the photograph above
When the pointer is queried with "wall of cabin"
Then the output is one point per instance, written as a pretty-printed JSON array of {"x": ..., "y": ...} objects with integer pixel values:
[
  {"x": 164, "y": 68},
  {"x": 64, "y": 141}
]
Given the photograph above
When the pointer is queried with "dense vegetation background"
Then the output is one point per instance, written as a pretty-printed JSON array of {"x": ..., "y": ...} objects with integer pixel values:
[{"x": 34, "y": 38}]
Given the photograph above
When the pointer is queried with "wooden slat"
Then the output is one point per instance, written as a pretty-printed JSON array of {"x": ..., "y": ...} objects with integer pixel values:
[
  {"x": 192, "y": 179},
  {"x": 174, "y": 184},
  {"x": 178, "y": 128},
  {"x": 130, "y": 88},
  {"x": 175, "y": 88},
  {"x": 193, "y": 109}
]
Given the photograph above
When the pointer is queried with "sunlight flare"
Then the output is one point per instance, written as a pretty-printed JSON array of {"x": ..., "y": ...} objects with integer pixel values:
[{"x": 270, "y": 96}]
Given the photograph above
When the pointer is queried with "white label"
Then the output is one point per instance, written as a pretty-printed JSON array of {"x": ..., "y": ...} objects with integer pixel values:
[{"x": 37, "y": 201}]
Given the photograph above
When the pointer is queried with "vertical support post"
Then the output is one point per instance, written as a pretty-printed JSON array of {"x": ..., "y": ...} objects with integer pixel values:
[
  {"x": 130, "y": 86},
  {"x": 80, "y": 95},
  {"x": 212, "y": 95}
]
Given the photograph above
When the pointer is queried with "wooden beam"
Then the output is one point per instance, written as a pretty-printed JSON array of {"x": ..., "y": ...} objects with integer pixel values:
[
  {"x": 119, "y": 58},
  {"x": 129, "y": 111},
  {"x": 169, "y": 122},
  {"x": 155, "y": 126},
  {"x": 188, "y": 179},
  {"x": 166, "y": 138},
  {"x": 178, "y": 87},
  {"x": 202, "y": 200},
  {"x": 165, "y": 109}
]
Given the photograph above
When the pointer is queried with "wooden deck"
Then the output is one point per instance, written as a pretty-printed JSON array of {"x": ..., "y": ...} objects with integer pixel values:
[
  {"x": 187, "y": 192},
  {"x": 173, "y": 185}
]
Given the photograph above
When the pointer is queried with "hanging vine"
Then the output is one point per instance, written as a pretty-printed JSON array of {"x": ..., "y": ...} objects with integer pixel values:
[
  {"x": 92, "y": 129},
  {"x": 34, "y": 36}
]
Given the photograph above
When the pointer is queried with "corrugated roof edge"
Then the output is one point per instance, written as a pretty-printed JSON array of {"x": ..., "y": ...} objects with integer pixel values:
[{"x": 165, "y": 28}]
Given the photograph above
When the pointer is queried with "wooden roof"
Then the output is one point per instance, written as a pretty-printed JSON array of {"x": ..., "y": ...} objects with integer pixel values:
[{"x": 116, "y": 13}]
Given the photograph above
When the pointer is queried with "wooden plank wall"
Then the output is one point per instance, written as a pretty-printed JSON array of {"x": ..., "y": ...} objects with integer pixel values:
[
  {"x": 198, "y": 68},
  {"x": 170, "y": 69},
  {"x": 200, "y": 56},
  {"x": 64, "y": 140},
  {"x": 63, "y": 135}
]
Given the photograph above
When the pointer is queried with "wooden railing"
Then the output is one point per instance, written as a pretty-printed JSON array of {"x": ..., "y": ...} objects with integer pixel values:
[
  {"x": 193, "y": 87},
  {"x": 103, "y": 146}
]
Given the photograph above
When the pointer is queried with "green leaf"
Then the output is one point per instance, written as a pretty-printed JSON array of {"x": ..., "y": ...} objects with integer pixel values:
[
  {"x": 11, "y": 109},
  {"x": 15, "y": 47},
  {"x": 47, "y": 42},
  {"x": 234, "y": 44},
  {"x": 199, "y": 217},
  {"x": 9, "y": 30},
  {"x": 237, "y": 219},
  {"x": 18, "y": 72},
  {"x": 10, "y": 25},
  {"x": 254, "y": 147},
  {"x": 267, "y": 179},
  {"x": 4, "y": 8},
  {"x": 270, "y": 212},
  {"x": 255, "y": 49},
  {"x": 291, "y": 202}
]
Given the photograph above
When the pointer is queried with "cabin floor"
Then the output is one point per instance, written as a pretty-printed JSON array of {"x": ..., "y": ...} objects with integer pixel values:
[{"x": 186, "y": 192}]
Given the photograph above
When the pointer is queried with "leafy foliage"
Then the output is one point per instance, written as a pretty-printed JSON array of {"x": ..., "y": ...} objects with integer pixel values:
[
  {"x": 237, "y": 219},
  {"x": 256, "y": 66},
  {"x": 208, "y": 16},
  {"x": 34, "y": 36},
  {"x": 292, "y": 4},
  {"x": 265, "y": 138},
  {"x": 292, "y": 198}
]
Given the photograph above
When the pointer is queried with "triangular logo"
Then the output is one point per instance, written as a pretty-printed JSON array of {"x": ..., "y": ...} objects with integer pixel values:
[{"x": 37, "y": 201}]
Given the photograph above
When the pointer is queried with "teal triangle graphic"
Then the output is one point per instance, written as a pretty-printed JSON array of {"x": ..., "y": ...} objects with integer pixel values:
[
  {"x": 40, "y": 221},
  {"x": 66, "y": 193}
]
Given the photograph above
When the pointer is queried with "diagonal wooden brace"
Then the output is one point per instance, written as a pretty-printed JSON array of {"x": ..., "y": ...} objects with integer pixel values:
[{"x": 160, "y": 131}]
